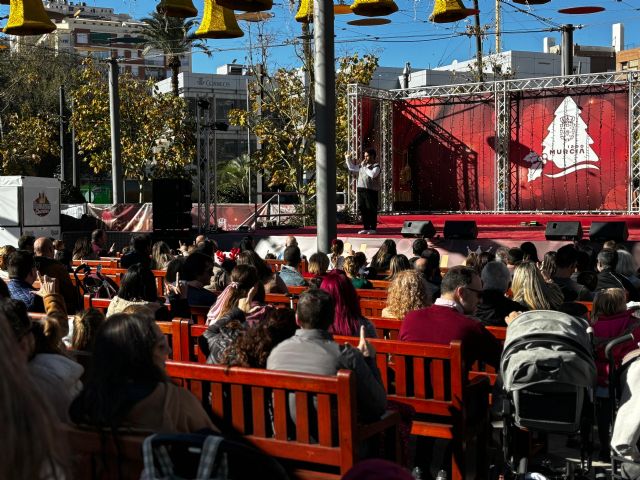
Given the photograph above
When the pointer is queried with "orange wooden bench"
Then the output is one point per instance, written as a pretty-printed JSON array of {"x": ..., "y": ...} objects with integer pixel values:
[
  {"x": 276, "y": 265},
  {"x": 108, "y": 262},
  {"x": 434, "y": 380},
  {"x": 322, "y": 442}
]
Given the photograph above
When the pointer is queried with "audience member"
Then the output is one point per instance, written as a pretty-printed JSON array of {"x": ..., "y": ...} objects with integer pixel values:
[
  {"x": 449, "y": 318},
  {"x": 34, "y": 446},
  {"x": 398, "y": 263},
  {"x": 198, "y": 269},
  {"x": 382, "y": 258},
  {"x": 25, "y": 242},
  {"x": 530, "y": 289},
  {"x": 336, "y": 260},
  {"x": 566, "y": 260},
  {"x": 495, "y": 305},
  {"x": 5, "y": 251},
  {"x": 514, "y": 257},
  {"x": 548, "y": 267},
  {"x": 529, "y": 252},
  {"x": 628, "y": 268},
  {"x": 99, "y": 244},
  {"x": 318, "y": 266},
  {"x": 85, "y": 329},
  {"x": 291, "y": 241},
  {"x": 610, "y": 318},
  {"x": 128, "y": 385},
  {"x": 352, "y": 271},
  {"x": 58, "y": 397},
  {"x": 50, "y": 369},
  {"x": 418, "y": 246},
  {"x": 348, "y": 318},
  {"x": 432, "y": 270},
  {"x": 609, "y": 278},
  {"x": 271, "y": 281},
  {"x": 62, "y": 254},
  {"x": 140, "y": 252},
  {"x": 244, "y": 292},
  {"x": 160, "y": 256},
  {"x": 208, "y": 247},
  {"x": 22, "y": 274},
  {"x": 82, "y": 250},
  {"x": 247, "y": 243},
  {"x": 423, "y": 267},
  {"x": 502, "y": 255},
  {"x": 219, "y": 336},
  {"x": 407, "y": 292},
  {"x": 289, "y": 272},
  {"x": 138, "y": 287},
  {"x": 46, "y": 265},
  {"x": 254, "y": 347},
  {"x": 473, "y": 261},
  {"x": 312, "y": 350}
]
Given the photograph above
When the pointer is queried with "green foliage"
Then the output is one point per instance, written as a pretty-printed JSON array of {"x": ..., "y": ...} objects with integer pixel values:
[
  {"x": 156, "y": 131},
  {"x": 280, "y": 115},
  {"x": 171, "y": 36},
  {"x": 233, "y": 180}
]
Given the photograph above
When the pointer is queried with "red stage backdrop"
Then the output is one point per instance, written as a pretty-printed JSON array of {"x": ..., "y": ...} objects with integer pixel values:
[
  {"x": 570, "y": 151},
  {"x": 443, "y": 157}
]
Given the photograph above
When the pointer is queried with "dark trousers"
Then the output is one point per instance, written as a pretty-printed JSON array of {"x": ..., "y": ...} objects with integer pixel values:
[{"x": 368, "y": 206}]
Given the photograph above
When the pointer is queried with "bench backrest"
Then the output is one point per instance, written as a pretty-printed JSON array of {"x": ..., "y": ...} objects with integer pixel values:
[
  {"x": 427, "y": 376},
  {"x": 372, "y": 307},
  {"x": 276, "y": 265},
  {"x": 104, "y": 261},
  {"x": 243, "y": 397}
]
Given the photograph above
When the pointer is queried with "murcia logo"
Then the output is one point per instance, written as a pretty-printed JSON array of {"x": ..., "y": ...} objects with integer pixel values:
[
  {"x": 566, "y": 148},
  {"x": 41, "y": 205}
]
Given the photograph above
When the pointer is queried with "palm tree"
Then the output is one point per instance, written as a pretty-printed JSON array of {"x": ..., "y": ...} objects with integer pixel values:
[{"x": 171, "y": 36}]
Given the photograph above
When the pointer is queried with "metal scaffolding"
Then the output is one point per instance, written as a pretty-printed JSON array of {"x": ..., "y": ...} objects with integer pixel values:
[{"x": 505, "y": 95}]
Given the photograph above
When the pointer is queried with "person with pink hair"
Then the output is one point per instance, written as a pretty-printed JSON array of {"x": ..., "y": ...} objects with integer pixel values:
[{"x": 348, "y": 317}]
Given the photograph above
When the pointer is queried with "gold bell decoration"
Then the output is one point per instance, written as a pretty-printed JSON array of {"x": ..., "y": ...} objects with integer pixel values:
[
  {"x": 374, "y": 8},
  {"x": 305, "y": 12},
  {"x": 247, "y": 5},
  {"x": 28, "y": 17},
  {"x": 218, "y": 22},
  {"x": 447, "y": 11},
  {"x": 177, "y": 8}
]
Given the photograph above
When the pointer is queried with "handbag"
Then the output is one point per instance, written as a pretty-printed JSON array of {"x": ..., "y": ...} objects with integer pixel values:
[{"x": 172, "y": 457}]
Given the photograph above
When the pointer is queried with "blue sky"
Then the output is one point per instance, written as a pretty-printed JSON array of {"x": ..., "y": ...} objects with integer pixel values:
[{"x": 410, "y": 36}]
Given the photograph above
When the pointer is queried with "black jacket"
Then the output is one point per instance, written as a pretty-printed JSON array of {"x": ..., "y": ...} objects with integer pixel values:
[
  {"x": 495, "y": 307},
  {"x": 611, "y": 279}
]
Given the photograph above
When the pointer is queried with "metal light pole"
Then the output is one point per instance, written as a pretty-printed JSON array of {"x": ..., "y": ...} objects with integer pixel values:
[
  {"x": 325, "y": 124},
  {"x": 63, "y": 135},
  {"x": 114, "y": 111},
  {"x": 566, "y": 51}
]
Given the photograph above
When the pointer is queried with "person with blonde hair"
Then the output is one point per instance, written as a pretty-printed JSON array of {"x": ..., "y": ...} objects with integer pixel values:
[
  {"x": 352, "y": 271},
  {"x": 398, "y": 264},
  {"x": 407, "y": 291},
  {"x": 318, "y": 266},
  {"x": 530, "y": 289}
]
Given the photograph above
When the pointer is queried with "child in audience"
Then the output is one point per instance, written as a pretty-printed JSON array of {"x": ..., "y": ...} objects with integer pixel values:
[
  {"x": 241, "y": 293},
  {"x": 128, "y": 385},
  {"x": 4, "y": 257},
  {"x": 138, "y": 286},
  {"x": 610, "y": 318},
  {"x": 85, "y": 328},
  {"x": 352, "y": 271},
  {"x": 337, "y": 249},
  {"x": 271, "y": 281},
  {"x": 318, "y": 266}
]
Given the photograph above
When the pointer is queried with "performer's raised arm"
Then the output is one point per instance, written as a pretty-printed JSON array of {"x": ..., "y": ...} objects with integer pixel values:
[{"x": 352, "y": 167}]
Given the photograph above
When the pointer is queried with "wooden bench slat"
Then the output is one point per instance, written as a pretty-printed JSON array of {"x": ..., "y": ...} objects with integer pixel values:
[
  {"x": 280, "y": 414},
  {"x": 237, "y": 408},
  {"x": 302, "y": 417},
  {"x": 325, "y": 435},
  {"x": 259, "y": 417}
]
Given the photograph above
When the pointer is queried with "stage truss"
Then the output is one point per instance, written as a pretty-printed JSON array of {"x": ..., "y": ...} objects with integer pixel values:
[{"x": 503, "y": 92}]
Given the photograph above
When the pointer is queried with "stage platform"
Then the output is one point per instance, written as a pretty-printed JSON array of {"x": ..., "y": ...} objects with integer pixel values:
[{"x": 494, "y": 230}]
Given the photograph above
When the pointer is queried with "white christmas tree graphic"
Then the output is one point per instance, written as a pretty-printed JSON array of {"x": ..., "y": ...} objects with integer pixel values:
[{"x": 567, "y": 145}]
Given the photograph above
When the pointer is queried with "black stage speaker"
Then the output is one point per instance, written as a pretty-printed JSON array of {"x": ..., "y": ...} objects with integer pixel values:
[
  {"x": 603, "y": 231},
  {"x": 563, "y": 231},
  {"x": 462, "y": 229},
  {"x": 171, "y": 204},
  {"x": 418, "y": 228}
]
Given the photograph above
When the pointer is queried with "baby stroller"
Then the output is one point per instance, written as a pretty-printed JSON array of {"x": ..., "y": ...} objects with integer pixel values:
[
  {"x": 622, "y": 467},
  {"x": 549, "y": 376},
  {"x": 94, "y": 284}
]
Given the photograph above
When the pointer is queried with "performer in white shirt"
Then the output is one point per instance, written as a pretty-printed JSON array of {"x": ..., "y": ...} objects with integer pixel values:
[{"x": 368, "y": 186}]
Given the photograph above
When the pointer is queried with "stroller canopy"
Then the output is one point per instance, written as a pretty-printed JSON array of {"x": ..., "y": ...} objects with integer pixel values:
[{"x": 545, "y": 346}]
